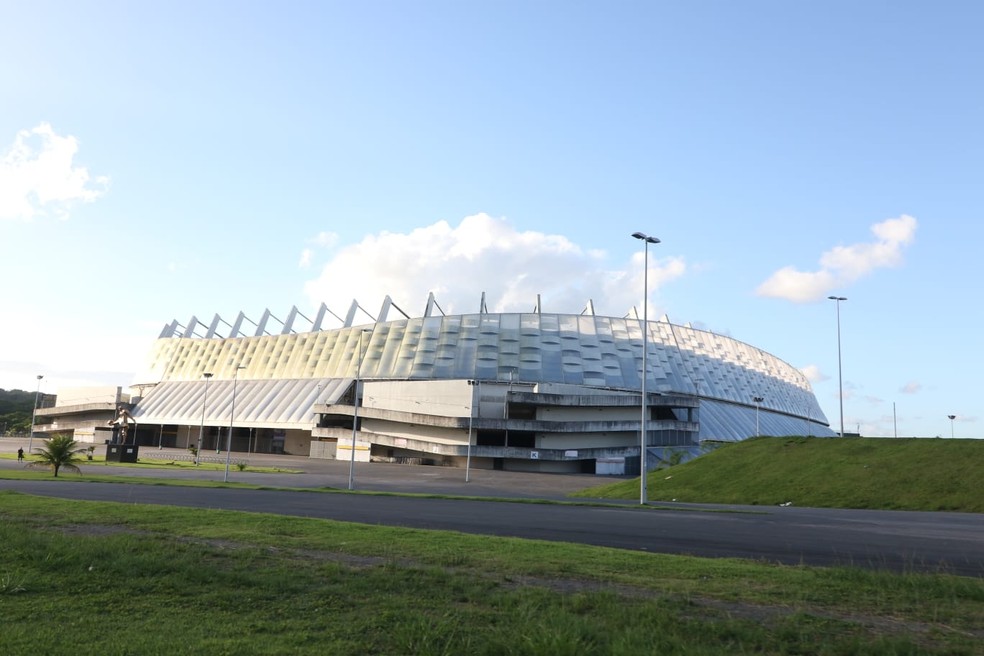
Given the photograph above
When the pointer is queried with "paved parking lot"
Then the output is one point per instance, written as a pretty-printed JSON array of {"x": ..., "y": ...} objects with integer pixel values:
[{"x": 303, "y": 472}]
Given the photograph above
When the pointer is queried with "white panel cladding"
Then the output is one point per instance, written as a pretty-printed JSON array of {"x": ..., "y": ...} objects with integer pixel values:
[{"x": 576, "y": 350}]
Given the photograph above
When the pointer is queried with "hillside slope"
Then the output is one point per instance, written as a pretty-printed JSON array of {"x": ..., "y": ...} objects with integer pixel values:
[{"x": 902, "y": 474}]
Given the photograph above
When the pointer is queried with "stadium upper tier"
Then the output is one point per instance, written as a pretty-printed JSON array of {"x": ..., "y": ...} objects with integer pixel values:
[{"x": 584, "y": 350}]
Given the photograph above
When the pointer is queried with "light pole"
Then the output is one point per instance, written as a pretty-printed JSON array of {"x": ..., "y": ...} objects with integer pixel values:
[
  {"x": 646, "y": 239},
  {"x": 201, "y": 430},
  {"x": 840, "y": 376},
  {"x": 232, "y": 419},
  {"x": 758, "y": 400},
  {"x": 951, "y": 417},
  {"x": 471, "y": 413},
  {"x": 355, "y": 411},
  {"x": 34, "y": 415}
]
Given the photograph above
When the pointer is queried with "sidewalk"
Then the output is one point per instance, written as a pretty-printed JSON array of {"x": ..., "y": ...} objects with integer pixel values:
[{"x": 317, "y": 473}]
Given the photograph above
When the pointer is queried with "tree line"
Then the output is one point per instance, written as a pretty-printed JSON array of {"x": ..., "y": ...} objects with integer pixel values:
[{"x": 17, "y": 410}]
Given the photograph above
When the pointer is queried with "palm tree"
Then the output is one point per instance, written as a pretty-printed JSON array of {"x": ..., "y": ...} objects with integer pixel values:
[{"x": 57, "y": 452}]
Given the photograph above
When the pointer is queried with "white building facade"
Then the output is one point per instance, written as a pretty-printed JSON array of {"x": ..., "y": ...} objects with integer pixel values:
[{"x": 521, "y": 391}]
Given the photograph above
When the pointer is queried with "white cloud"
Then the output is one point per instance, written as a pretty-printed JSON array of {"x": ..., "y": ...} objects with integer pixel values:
[
  {"x": 843, "y": 265},
  {"x": 305, "y": 260},
  {"x": 912, "y": 387},
  {"x": 110, "y": 355},
  {"x": 481, "y": 254},
  {"x": 37, "y": 176},
  {"x": 813, "y": 373},
  {"x": 326, "y": 239}
]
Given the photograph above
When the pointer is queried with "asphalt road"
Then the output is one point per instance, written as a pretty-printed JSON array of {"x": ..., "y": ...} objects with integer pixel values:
[{"x": 900, "y": 541}]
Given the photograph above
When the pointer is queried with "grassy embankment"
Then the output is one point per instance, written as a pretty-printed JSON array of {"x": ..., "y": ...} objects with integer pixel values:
[
  {"x": 103, "y": 578},
  {"x": 904, "y": 474}
]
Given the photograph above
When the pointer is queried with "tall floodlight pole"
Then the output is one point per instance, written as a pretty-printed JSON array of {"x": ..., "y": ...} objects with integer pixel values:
[
  {"x": 951, "y": 417},
  {"x": 477, "y": 394},
  {"x": 201, "y": 429},
  {"x": 34, "y": 415},
  {"x": 758, "y": 400},
  {"x": 232, "y": 420},
  {"x": 840, "y": 375},
  {"x": 646, "y": 239},
  {"x": 355, "y": 412}
]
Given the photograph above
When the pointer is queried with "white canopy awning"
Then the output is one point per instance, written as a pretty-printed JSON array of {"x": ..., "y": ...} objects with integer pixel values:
[{"x": 259, "y": 403}]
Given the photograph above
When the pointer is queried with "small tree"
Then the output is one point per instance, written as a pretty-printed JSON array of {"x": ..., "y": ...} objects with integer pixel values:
[{"x": 57, "y": 452}]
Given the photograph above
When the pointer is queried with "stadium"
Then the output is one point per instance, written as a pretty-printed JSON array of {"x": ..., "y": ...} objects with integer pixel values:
[{"x": 530, "y": 391}]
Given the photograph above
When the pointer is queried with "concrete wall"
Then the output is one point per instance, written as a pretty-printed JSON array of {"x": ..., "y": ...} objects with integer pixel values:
[
  {"x": 571, "y": 413},
  {"x": 426, "y": 433},
  {"x": 297, "y": 442},
  {"x": 70, "y": 396},
  {"x": 445, "y": 398},
  {"x": 587, "y": 441}
]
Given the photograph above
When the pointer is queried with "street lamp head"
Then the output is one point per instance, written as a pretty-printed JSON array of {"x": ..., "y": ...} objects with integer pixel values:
[
  {"x": 646, "y": 238},
  {"x": 207, "y": 374},
  {"x": 40, "y": 376},
  {"x": 758, "y": 399},
  {"x": 951, "y": 417},
  {"x": 837, "y": 298}
]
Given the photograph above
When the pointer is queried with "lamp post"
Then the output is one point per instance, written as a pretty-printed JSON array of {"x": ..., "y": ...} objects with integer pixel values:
[
  {"x": 951, "y": 417},
  {"x": 758, "y": 400},
  {"x": 646, "y": 239},
  {"x": 34, "y": 415},
  {"x": 471, "y": 413},
  {"x": 840, "y": 376},
  {"x": 355, "y": 411},
  {"x": 201, "y": 430},
  {"x": 232, "y": 419}
]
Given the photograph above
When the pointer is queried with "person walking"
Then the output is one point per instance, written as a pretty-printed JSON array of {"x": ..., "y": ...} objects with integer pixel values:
[{"x": 20, "y": 455}]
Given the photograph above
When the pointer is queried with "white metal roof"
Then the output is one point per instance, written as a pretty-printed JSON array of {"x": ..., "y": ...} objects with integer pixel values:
[{"x": 285, "y": 403}]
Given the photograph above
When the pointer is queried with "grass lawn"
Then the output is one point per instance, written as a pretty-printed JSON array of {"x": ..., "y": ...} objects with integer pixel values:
[
  {"x": 890, "y": 474},
  {"x": 80, "y": 577},
  {"x": 166, "y": 464}
]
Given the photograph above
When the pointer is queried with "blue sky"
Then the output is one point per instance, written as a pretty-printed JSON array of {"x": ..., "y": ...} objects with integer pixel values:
[{"x": 164, "y": 160}]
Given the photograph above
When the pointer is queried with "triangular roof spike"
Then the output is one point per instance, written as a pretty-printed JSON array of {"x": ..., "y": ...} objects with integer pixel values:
[
  {"x": 431, "y": 304},
  {"x": 664, "y": 319},
  {"x": 482, "y": 308},
  {"x": 384, "y": 310},
  {"x": 289, "y": 321},
  {"x": 237, "y": 326},
  {"x": 291, "y": 317},
  {"x": 190, "y": 328},
  {"x": 170, "y": 329},
  {"x": 589, "y": 308},
  {"x": 536, "y": 310},
  {"x": 261, "y": 326},
  {"x": 320, "y": 318},
  {"x": 385, "y": 307},
  {"x": 214, "y": 326},
  {"x": 350, "y": 315}
]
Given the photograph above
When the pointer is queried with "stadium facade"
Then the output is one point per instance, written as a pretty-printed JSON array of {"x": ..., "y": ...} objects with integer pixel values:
[{"x": 520, "y": 391}]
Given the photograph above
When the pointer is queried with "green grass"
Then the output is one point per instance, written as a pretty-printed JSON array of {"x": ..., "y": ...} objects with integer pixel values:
[
  {"x": 171, "y": 465},
  {"x": 901, "y": 474},
  {"x": 101, "y": 578}
]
